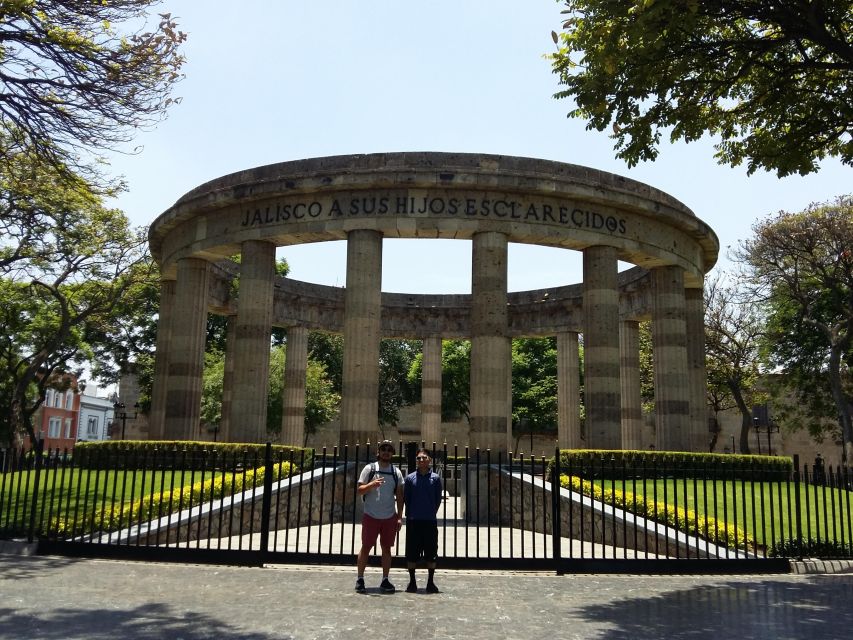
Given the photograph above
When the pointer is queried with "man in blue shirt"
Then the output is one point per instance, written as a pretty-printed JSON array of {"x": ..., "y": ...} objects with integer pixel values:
[{"x": 422, "y": 494}]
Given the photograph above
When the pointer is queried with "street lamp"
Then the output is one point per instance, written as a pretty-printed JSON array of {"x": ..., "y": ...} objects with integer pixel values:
[
  {"x": 124, "y": 416},
  {"x": 757, "y": 433}
]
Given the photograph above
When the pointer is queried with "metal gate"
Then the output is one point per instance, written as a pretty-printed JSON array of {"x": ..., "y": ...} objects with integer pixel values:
[{"x": 499, "y": 511}]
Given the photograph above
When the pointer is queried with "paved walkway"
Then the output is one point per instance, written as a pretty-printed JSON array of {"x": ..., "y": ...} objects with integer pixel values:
[{"x": 56, "y": 598}]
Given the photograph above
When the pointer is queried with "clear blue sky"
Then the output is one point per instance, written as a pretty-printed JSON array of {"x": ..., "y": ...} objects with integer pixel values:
[{"x": 270, "y": 81}]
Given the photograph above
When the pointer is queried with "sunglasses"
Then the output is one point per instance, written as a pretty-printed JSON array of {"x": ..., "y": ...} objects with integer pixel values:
[{"x": 421, "y": 458}]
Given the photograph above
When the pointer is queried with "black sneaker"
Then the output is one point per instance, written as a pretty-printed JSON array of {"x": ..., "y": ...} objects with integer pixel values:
[
  {"x": 386, "y": 587},
  {"x": 359, "y": 585},
  {"x": 431, "y": 588},
  {"x": 412, "y": 588}
]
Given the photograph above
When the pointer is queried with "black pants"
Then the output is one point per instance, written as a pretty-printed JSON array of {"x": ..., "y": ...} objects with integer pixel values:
[{"x": 421, "y": 540}]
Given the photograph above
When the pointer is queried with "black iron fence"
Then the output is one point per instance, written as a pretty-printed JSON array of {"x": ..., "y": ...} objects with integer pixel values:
[{"x": 498, "y": 510}]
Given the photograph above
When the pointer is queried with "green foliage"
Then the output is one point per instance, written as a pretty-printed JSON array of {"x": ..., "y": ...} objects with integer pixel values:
[
  {"x": 733, "y": 335},
  {"x": 769, "y": 79},
  {"x": 809, "y": 548},
  {"x": 395, "y": 390},
  {"x": 150, "y": 507},
  {"x": 328, "y": 349},
  {"x": 801, "y": 264},
  {"x": 605, "y": 463},
  {"x": 534, "y": 384},
  {"x": 321, "y": 402},
  {"x": 127, "y": 453},
  {"x": 455, "y": 377},
  {"x": 647, "y": 368},
  {"x": 80, "y": 77},
  {"x": 709, "y": 528},
  {"x": 75, "y": 284}
]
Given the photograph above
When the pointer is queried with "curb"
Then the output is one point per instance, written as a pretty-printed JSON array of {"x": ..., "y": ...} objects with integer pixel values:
[
  {"x": 18, "y": 548},
  {"x": 813, "y": 566}
]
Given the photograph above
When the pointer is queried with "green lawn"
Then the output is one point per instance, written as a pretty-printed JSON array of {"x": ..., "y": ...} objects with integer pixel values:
[
  {"x": 765, "y": 510},
  {"x": 70, "y": 494}
]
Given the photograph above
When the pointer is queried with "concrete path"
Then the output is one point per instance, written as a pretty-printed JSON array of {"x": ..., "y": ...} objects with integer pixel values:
[
  {"x": 456, "y": 539},
  {"x": 61, "y": 598}
]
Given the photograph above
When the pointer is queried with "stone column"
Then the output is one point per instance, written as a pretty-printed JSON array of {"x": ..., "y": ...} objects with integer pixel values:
[
  {"x": 491, "y": 373},
  {"x": 186, "y": 355},
  {"x": 293, "y": 394},
  {"x": 568, "y": 391},
  {"x": 695, "y": 304},
  {"x": 248, "y": 416},
  {"x": 362, "y": 314},
  {"x": 431, "y": 392},
  {"x": 601, "y": 348},
  {"x": 632, "y": 403},
  {"x": 669, "y": 338},
  {"x": 157, "y": 415},
  {"x": 224, "y": 434}
]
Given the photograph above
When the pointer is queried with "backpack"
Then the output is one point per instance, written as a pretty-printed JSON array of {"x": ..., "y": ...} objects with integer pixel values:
[{"x": 374, "y": 469}]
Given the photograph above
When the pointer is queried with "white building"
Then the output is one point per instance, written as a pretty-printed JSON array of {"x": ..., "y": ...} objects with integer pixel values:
[{"x": 96, "y": 414}]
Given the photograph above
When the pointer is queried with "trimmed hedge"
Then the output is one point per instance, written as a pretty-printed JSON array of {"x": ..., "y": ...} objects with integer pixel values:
[
  {"x": 809, "y": 548},
  {"x": 176, "y": 454},
  {"x": 611, "y": 464},
  {"x": 684, "y": 520}
]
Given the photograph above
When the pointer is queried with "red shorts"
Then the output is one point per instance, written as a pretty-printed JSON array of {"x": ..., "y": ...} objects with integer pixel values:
[{"x": 385, "y": 529}]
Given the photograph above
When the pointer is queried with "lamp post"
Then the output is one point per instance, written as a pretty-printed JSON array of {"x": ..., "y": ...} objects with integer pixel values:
[
  {"x": 770, "y": 429},
  {"x": 757, "y": 434},
  {"x": 124, "y": 416}
]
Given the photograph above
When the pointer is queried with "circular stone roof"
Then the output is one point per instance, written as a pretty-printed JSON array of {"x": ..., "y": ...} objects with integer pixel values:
[{"x": 435, "y": 195}]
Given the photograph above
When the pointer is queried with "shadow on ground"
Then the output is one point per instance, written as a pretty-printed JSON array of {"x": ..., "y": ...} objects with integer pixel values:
[
  {"x": 817, "y": 609},
  {"x": 149, "y": 622},
  {"x": 28, "y": 567}
]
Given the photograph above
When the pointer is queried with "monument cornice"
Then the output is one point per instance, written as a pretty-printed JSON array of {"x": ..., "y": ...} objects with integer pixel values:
[{"x": 435, "y": 195}]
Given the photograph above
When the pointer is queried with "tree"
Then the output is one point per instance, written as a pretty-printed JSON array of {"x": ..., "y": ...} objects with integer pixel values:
[
  {"x": 534, "y": 386},
  {"x": 321, "y": 402},
  {"x": 328, "y": 349},
  {"x": 73, "y": 81},
  {"x": 770, "y": 79},
  {"x": 803, "y": 264},
  {"x": 395, "y": 390},
  {"x": 56, "y": 297},
  {"x": 455, "y": 377},
  {"x": 395, "y": 361},
  {"x": 733, "y": 334}
]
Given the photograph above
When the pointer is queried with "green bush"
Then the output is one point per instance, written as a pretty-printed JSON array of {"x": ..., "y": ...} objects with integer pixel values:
[
  {"x": 612, "y": 464},
  {"x": 177, "y": 454},
  {"x": 684, "y": 520},
  {"x": 809, "y": 548},
  {"x": 115, "y": 517}
]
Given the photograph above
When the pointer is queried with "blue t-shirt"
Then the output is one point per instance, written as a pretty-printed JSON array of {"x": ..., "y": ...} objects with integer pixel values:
[{"x": 422, "y": 495}]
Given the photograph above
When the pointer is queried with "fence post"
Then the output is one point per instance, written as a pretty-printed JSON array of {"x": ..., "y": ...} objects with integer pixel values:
[
  {"x": 797, "y": 514},
  {"x": 37, "y": 462},
  {"x": 556, "y": 517},
  {"x": 266, "y": 504}
]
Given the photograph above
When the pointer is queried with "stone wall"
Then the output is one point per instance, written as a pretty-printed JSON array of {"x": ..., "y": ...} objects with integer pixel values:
[
  {"x": 523, "y": 501},
  {"x": 309, "y": 498}
]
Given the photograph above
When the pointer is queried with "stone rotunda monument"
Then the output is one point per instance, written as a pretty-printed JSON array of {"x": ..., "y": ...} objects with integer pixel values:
[{"x": 490, "y": 200}]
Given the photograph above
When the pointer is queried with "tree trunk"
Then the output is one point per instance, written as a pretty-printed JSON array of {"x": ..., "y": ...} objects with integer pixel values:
[
  {"x": 841, "y": 403},
  {"x": 746, "y": 416}
]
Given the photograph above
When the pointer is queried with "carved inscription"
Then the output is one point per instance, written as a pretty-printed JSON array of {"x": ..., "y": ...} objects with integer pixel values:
[{"x": 372, "y": 205}]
